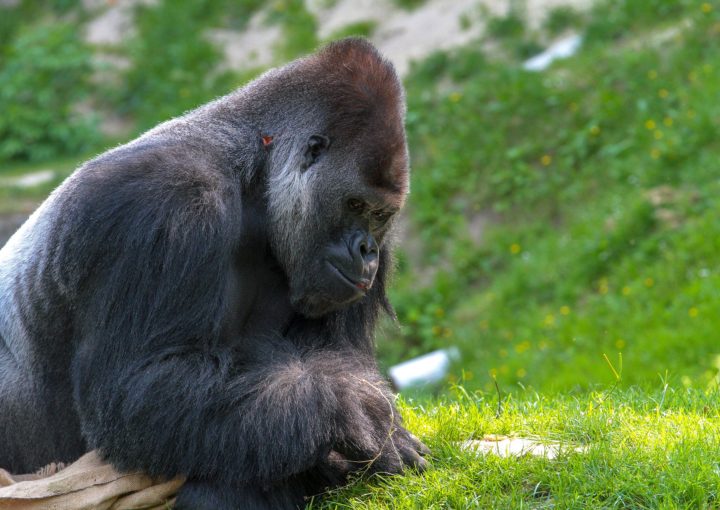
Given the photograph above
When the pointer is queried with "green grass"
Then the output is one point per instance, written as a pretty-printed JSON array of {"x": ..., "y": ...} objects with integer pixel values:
[
  {"x": 600, "y": 179},
  {"x": 408, "y": 4},
  {"x": 643, "y": 451},
  {"x": 358, "y": 29}
]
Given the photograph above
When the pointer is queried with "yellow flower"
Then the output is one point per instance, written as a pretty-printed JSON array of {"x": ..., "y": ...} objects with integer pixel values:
[
  {"x": 658, "y": 134},
  {"x": 619, "y": 343},
  {"x": 655, "y": 154},
  {"x": 549, "y": 320},
  {"x": 522, "y": 347},
  {"x": 521, "y": 372},
  {"x": 455, "y": 97},
  {"x": 626, "y": 291},
  {"x": 652, "y": 74},
  {"x": 436, "y": 330},
  {"x": 663, "y": 93},
  {"x": 493, "y": 372},
  {"x": 544, "y": 344},
  {"x": 515, "y": 248},
  {"x": 668, "y": 121},
  {"x": 650, "y": 124},
  {"x": 603, "y": 286},
  {"x": 439, "y": 312},
  {"x": 565, "y": 310},
  {"x": 693, "y": 312},
  {"x": 649, "y": 282},
  {"x": 595, "y": 130},
  {"x": 706, "y": 8},
  {"x": 546, "y": 159},
  {"x": 503, "y": 353}
]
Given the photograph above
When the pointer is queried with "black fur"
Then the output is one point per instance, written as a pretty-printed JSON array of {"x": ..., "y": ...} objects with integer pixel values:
[{"x": 171, "y": 304}]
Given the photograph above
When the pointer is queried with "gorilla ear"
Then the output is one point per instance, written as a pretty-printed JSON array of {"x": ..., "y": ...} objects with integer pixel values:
[{"x": 316, "y": 146}]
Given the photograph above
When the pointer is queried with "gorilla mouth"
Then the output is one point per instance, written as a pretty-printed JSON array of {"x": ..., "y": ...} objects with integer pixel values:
[{"x": 358, "y": 286}]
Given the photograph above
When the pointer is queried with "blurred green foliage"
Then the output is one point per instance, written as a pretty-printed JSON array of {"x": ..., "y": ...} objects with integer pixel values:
[
  {"x": 44, "y": 75},
  {"x": 299, "y": 28},
  {"x": 174, "y": 66},
  {"x": 562, "y": 18},
  {"x": 408, "y": 4},
  {"x": 600, "y": 181},
  {"x": 359, "y": 29}
]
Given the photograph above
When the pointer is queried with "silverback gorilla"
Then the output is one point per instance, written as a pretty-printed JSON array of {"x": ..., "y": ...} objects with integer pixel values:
[{"x": 201, "y": 301}]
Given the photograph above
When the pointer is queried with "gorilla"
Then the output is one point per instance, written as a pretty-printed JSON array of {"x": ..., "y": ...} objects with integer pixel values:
[{"x": 201, "y": 300}]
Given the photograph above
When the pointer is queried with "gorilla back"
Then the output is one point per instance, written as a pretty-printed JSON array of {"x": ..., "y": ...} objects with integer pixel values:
[{"x": 201, "y": 301}]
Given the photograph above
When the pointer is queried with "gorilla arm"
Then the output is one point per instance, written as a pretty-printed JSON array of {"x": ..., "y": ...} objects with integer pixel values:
[{"x": 156, "y": 388}]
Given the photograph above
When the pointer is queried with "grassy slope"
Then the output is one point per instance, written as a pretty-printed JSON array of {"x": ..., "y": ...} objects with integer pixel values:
[{"x": 603, "y": 172}]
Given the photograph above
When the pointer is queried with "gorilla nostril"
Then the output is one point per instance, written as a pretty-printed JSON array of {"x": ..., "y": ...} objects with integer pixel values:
[{"x": 363, "y": 248}]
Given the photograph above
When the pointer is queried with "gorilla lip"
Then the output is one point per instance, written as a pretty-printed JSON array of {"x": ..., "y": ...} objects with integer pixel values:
[{"x": 362, "y": 285}]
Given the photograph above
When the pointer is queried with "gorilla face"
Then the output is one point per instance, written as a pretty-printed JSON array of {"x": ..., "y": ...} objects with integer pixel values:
[{"x": 330, "y": 221}]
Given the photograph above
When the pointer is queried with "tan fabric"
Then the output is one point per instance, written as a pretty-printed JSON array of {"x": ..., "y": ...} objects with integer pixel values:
[{"x": 87, "y": 484}]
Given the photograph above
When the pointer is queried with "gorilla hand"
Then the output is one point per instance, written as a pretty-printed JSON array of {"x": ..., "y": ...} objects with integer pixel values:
[{"x": 371, "y": 435}]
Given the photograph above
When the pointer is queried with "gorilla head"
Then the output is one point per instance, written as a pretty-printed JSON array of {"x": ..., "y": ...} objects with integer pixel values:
[{"x": 338, "y": 170}]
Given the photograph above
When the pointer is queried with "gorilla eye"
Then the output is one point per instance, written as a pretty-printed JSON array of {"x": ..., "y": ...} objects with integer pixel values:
[
  {"x": 355, "y": 205},
  {"x": 317, "y": 144},
  {"x": 381, "y": 216}
]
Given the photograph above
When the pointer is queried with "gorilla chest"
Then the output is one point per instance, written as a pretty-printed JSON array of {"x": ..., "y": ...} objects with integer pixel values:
[{"x": 257, "y": 299}]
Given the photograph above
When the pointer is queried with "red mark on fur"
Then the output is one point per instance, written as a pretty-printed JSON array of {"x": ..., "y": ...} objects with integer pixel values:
[{"x": 267, "y": 140}]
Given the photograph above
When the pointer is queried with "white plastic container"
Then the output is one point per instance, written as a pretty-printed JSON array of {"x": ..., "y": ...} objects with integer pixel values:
[{"x": 427, "y": 369}]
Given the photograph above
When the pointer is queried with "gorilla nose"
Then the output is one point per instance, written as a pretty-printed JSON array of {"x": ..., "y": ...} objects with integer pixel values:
[
  {"x": 356, "y": 258},
  {"x": 364, "y": 253},
  {"x": 363, "y": 248}
]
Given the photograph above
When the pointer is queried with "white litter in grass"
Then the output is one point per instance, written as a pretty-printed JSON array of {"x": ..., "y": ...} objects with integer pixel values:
[
  {"x": 563, "y": 48},
  {"x": 28, "y": 180},
  {"x": 505, "y": 446},
  {"x": 427, "y": 369}
]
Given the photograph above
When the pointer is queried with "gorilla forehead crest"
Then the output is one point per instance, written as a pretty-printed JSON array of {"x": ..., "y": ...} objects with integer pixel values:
[{"x": 364, "y": 98}]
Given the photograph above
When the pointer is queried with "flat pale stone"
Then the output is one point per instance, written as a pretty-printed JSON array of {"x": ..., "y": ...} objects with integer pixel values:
[{"x": 505, "y": 446}]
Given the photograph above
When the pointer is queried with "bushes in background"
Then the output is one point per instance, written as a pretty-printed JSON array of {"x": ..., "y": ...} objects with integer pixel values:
[{"x": 44, "y": 75}]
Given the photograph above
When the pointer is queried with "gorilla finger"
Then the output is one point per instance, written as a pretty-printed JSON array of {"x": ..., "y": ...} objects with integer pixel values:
[
  {"x": 389, "y": 463},
  {"x": 412, "y": 459},
  {"x": 339, "y": 465},
  {"x": 419, "y": 446}
]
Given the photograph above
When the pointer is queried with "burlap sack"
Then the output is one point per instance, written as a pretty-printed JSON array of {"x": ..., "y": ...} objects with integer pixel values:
[{"x": 87, "y": 484}]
